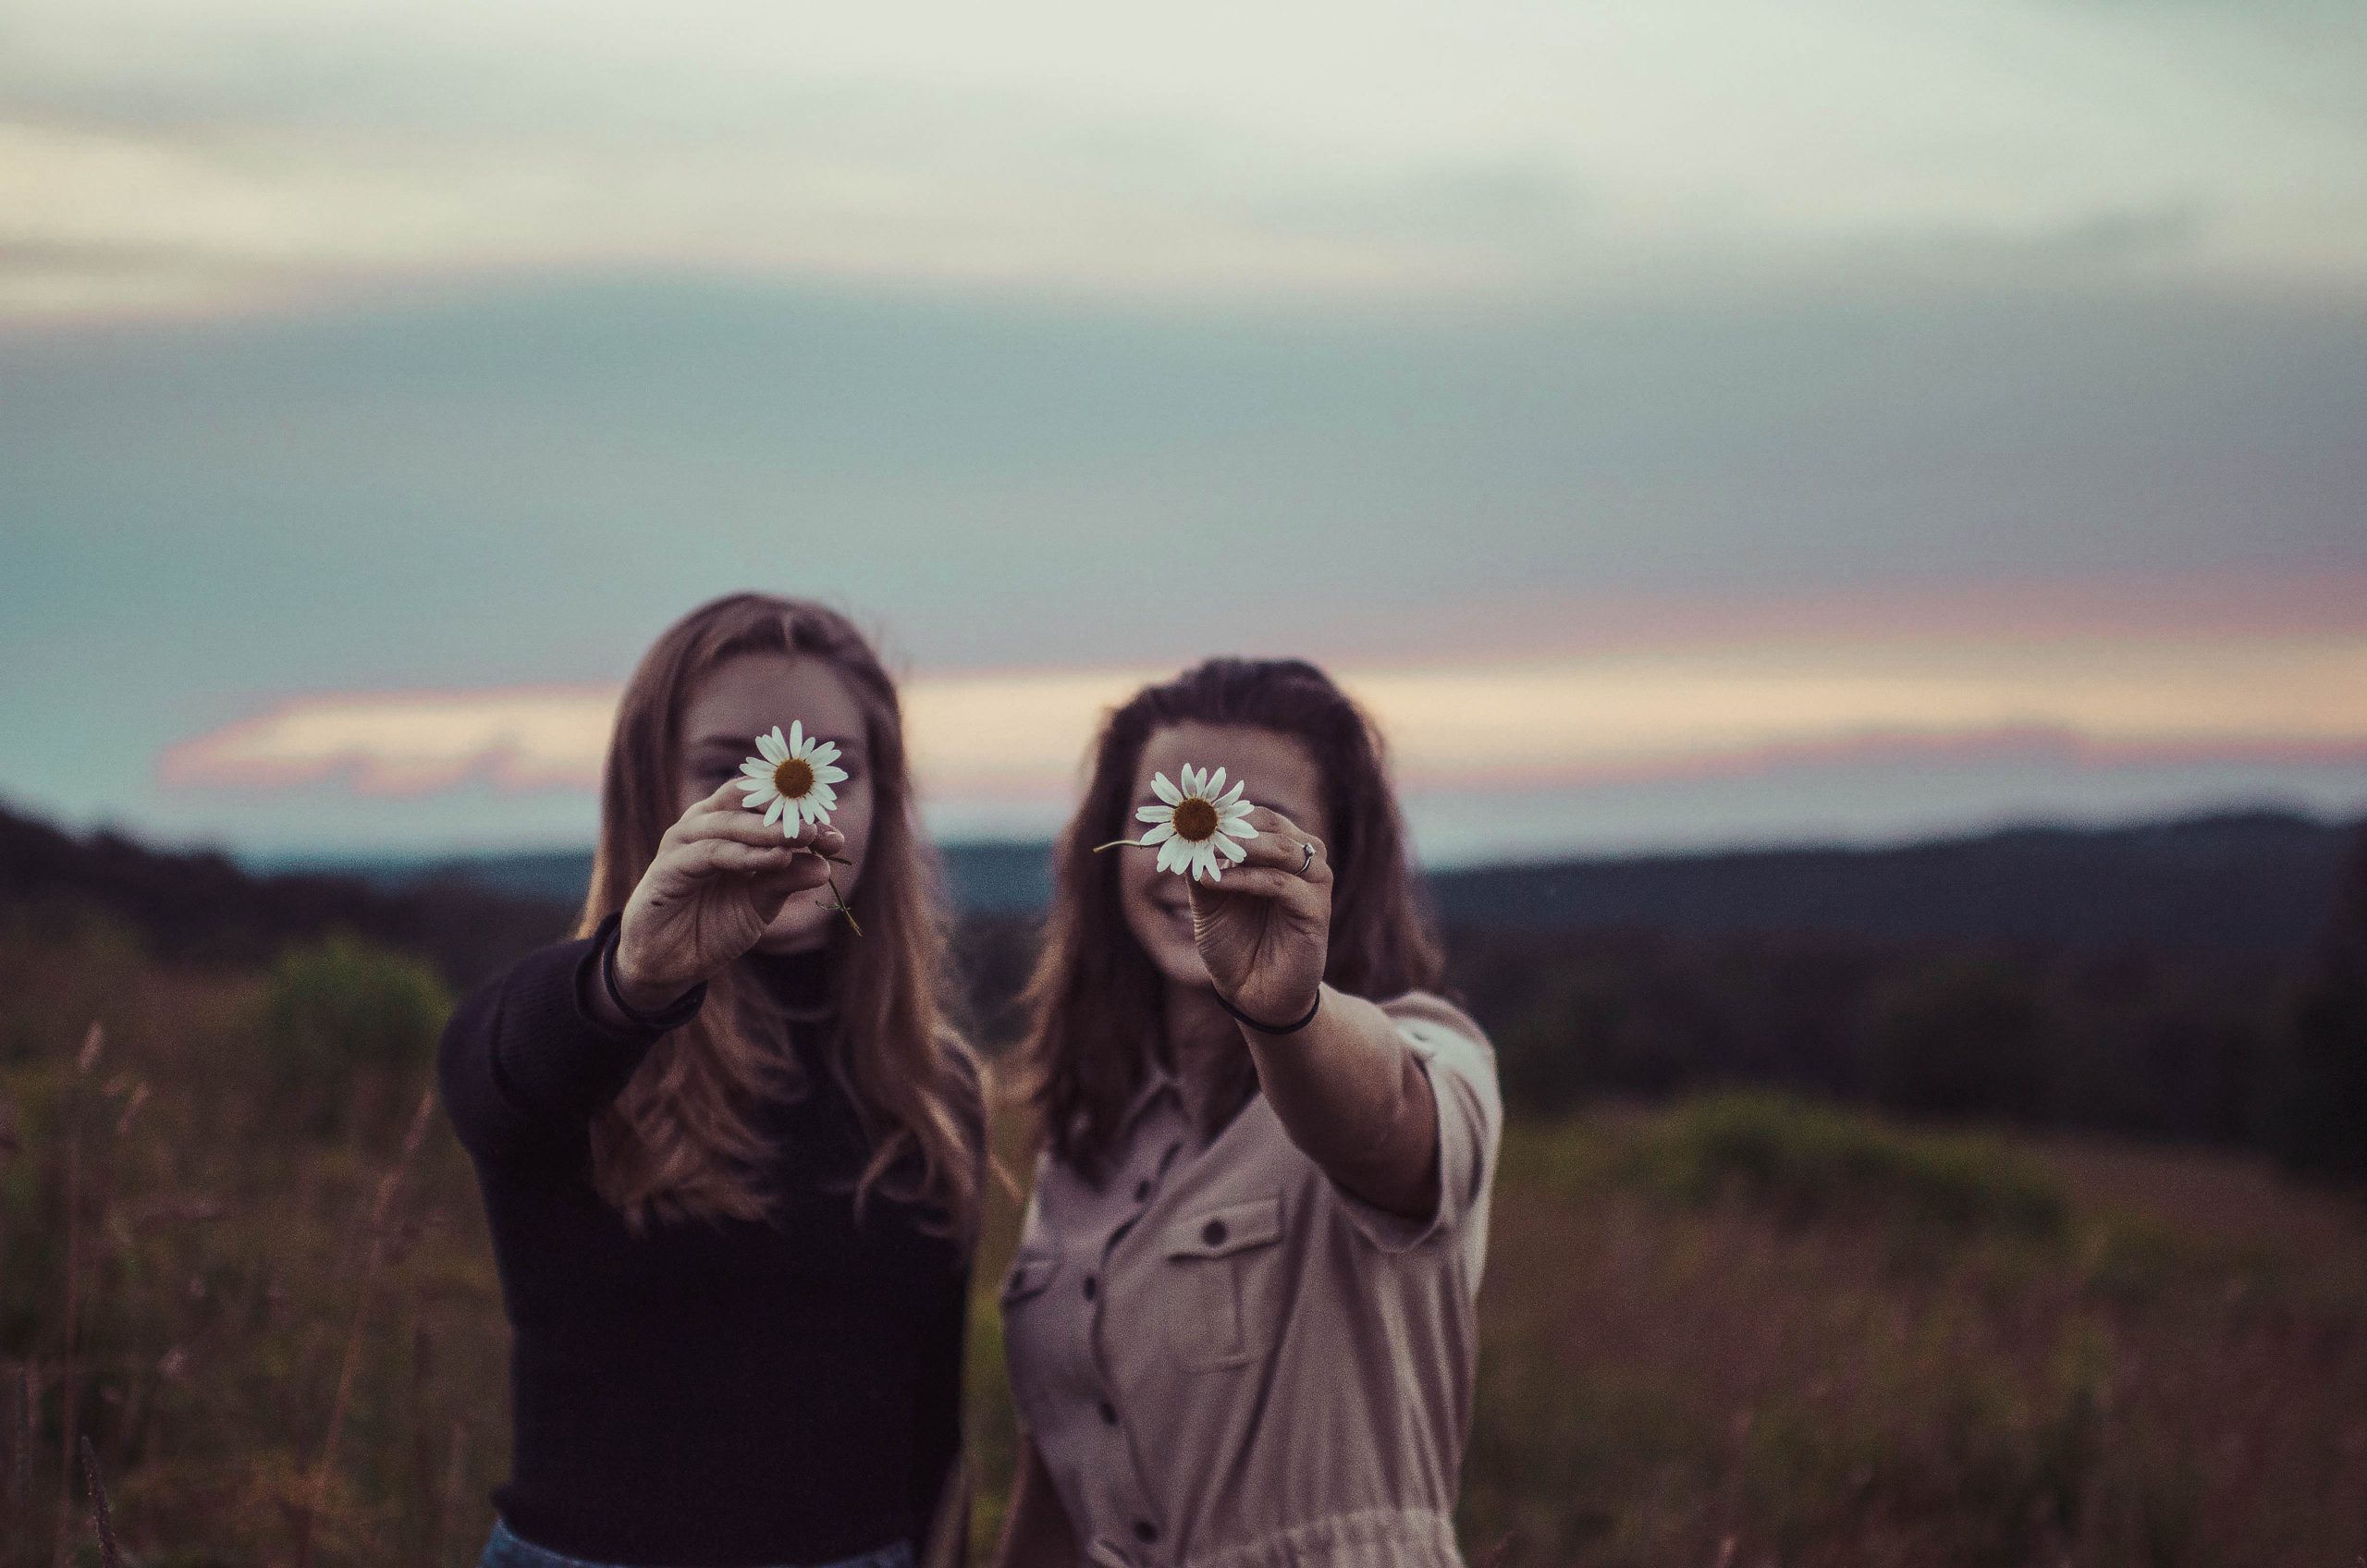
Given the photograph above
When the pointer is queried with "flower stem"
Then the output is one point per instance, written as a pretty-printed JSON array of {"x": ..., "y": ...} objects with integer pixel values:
[
  {"x": 840, "y": 903},
  {"x": 1113, "y": 843}
]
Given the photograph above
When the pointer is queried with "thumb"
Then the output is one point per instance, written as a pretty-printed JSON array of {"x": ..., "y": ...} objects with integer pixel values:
[{"x": 771, "y": 890}]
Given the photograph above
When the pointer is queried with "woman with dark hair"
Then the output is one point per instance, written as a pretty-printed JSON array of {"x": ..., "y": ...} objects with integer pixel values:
[
  {"x": 1239, "y": 1320},
  {"x": 731, "y": 1150}
]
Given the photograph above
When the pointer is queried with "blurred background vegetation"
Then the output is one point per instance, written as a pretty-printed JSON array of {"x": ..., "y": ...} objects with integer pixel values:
[{"x": 1807, "y": 1250}]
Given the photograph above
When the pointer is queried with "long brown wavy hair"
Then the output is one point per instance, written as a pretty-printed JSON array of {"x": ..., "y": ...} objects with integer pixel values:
[
  {"x": 678, "y": 1143},
  {"x": 1094, "y": 1004}
]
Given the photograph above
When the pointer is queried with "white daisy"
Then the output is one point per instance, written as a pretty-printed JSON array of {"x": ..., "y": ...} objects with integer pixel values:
[
  {"x": 1200, "y": 825},
  {"x": 791, "y": 779}
]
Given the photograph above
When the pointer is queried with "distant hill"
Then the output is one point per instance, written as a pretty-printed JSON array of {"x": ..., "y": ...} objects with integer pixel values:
[
  {"x": 205, "y": 908},
  {"x": 2256, "y": 883}
]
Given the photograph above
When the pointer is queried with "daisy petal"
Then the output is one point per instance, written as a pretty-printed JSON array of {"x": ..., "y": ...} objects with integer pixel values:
[
  {"x": 1213, "y": 785},
  {"x": 772, "y": 812},
  {"x": 1160, "y": 834},
  {"x": 1164, "y": 790},
  {"x": 1233, "y": 794},
  {"x": 1231, "y": 851},
  {"x": 1237, "y": 828},
  {"x": 1153, "y": 813},
  {"x": 823, "y": 753},
  {"x": 831, "y": 775}
]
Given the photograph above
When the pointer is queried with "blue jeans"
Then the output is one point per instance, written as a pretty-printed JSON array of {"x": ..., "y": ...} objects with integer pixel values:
[{"x": 503, "y": 1549}]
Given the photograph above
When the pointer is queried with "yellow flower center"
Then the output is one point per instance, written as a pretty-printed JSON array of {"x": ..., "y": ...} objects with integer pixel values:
[
  {"x": 1196, "y": 820},
  {"x": 793, "y": 778}
]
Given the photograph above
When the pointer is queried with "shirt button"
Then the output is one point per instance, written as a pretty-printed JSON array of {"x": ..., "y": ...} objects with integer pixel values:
[
  {"x": 1146, "y": 1532},
  {"x": 1109, "y": 1413},
  {"x": 1089, "y": 1287},
  {"x": 1213, "y": 1233}
]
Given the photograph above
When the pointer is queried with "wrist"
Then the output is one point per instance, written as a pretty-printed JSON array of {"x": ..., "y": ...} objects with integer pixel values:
[
  {"x": 1297, "y": 1020},
  {"x": 645, "y": 1003},
  {"x": 635, "y": 990}
]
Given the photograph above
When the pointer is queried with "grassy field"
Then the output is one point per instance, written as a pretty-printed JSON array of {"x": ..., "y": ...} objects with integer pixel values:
[{"x": 1734, "y": 1331}]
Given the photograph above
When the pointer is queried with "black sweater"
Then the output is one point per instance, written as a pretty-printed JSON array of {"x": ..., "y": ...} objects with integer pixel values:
[{"x": 729, "y": 1392}]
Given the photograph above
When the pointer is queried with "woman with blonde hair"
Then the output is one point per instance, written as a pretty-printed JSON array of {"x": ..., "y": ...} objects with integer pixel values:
[
  {"x": 1239, "y": 1320},
  {"x": 730, "y": 1149}
]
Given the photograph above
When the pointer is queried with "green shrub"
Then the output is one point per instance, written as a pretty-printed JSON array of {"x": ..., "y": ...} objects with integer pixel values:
[
  {"x": 1806, "y": 1163},
  {"x": 343, "y": 1014}
]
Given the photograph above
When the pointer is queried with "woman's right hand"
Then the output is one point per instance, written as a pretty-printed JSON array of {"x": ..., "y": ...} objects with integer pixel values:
[{"x": 721, "y": 877}]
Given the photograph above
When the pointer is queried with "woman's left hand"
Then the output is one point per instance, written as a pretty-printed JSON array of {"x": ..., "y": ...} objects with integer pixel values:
[{"x": 1264, "y": 931}]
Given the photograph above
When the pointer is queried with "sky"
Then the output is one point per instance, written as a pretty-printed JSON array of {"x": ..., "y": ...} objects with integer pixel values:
[{"x": 1691, "y": 424}]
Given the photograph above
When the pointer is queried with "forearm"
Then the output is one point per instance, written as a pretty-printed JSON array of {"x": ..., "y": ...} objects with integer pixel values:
[
  {"x": 1354, "y": 1098},
  {"x": 523, "y": 1064}
]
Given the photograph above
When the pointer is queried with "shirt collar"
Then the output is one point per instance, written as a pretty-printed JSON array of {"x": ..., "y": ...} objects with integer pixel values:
[{"x": 1157, "y": 1081}]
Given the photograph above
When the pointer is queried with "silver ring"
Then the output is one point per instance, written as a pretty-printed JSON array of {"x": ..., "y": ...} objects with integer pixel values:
[{"x": 1307, "y": 858}]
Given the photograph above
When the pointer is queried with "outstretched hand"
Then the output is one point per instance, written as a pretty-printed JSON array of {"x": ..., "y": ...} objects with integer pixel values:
[
  {"x": 1264, "y": 931},
  {"x": 720, "y": 878}
]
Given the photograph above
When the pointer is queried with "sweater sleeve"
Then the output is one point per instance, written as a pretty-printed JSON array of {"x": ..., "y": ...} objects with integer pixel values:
[{"x": 522, "y": 1066}]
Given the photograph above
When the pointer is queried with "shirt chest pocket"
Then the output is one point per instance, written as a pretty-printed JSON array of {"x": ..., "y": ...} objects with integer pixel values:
[
  {"x": 1222, "y": 1270},
  {"x": 1031, "y": 1271},
  {"x": 1031, "y": 1337}
]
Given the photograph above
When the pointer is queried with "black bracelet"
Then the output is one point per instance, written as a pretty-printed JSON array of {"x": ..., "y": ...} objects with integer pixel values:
[
  {"x": 673, "y": 1015},
  {"x": 1305, "y": 1019}
]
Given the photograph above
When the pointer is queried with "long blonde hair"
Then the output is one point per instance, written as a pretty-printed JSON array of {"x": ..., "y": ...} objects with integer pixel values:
[{"x": 678, "y": 1143}]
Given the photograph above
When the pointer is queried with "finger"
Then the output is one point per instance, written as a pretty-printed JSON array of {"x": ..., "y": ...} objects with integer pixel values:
[
  {"x": 801, "y": 871},
  {"x": 724, "y": 797},
  {"x": 747, "y": 827},
  {"x": 1265, "y": 819},
  {"x": 728, "y": 793},
  {"x": 1271, "y": 824},
  {"x": 710, "y": 857},
  {"x": 1255, "y": 882},
  {"x": 1284, "y": 849}
]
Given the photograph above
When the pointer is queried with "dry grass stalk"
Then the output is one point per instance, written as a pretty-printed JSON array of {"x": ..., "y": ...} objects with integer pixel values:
[
  {"x": 109, "y": 1554},
  {"x": 92, "y": 1043},
  {"x": 131, "y": 1108},
  {"x": 20, "y": 1458},
  {"x": 448, "y": 1506},
  {"x": 381, "y": 1227}
]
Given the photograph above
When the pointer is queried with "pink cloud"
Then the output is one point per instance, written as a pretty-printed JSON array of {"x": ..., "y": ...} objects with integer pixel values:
[
  {"x": 407, "y": 742},
  {"x": 2270, "y": 702}
]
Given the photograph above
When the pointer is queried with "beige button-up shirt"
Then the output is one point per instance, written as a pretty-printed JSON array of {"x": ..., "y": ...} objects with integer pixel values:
[{"x": 1227, "y": 1361}]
